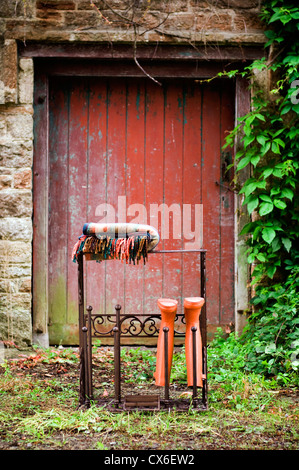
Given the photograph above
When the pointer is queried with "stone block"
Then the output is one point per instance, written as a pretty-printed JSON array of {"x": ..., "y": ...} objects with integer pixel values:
[
  {"x": 15, "y": 154},
  {"x": 16, "y": 301},
  {"x": 83, "y": 19},
  {"x": 201, "y": 21},
  {"x": 235, "y": 4},
  {"x": 247, "y": 21},
  {"x": 15, "y": 325},
  {"x": 6, "y": 171},
  {"x": 14, "y": 252},
  {"x": 23, "y": 179},
  {"x": 55, "y": 5},
  {"x": 10, "y": 9},
  {"x": 16, "y": 229},
  {"x": 16, "y": 203},
  {"x": 5, "y": 181},
  {"x": 53, "y": 15},
  {"x": 26, "y": 81},
  {"x": 9, "y": 286},
  {"x": 3, "y": 129},
  {"x": 19, "y": 127},
  {"x": 2, "y": 91},
  {"x": 26, "y": 285},
  {"x": 86, "y": 4},
  {"x": 13, "y": 271},
  {"x": 175, "y": 6},
  {"x": 10, "y": 70}
]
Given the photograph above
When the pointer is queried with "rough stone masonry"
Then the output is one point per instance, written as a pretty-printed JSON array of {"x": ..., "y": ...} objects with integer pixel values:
[{"x": 218, "y": 22}]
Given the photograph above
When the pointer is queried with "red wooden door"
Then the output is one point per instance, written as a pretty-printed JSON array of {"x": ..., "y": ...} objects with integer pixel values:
[{"x": 135, "y": 145}]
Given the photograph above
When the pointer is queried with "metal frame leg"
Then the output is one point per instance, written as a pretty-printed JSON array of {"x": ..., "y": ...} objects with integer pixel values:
[
  {"x": 117, "y": 378},
  {"x": 194, "y": 396},
  {"x": 89, "y": 352},
  {"x": 166, "y": 365}
]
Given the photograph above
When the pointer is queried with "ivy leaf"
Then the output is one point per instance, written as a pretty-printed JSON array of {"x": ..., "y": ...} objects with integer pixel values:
[
  {"x": 251, "y": 258},
  {"x": 265, "y": 208},
  {"x": 247, "y": 228},
  {"x": 293, "y": 133},
  {"x": 268, "y": 234},
  {"x": 248, "y": 139},
  {"x": 266, "y": 198},
  {"x": 267, "y": 172},
  {"x": 275, "y": 147},
  {"x": 256, "y": 232},
  {"x": 252, "y": 203},
  {"x": 270, "y": 348},
  {"x": 239, "y": 154},
  {"x": 276, "y": 244},
  {"x": 249, "y": 188},
  {"x": 275, "y": 191},
  {"x": 287, "y": 243},
  {"x": 286, "y": 109},
  {"x": 261, "y": 257},
  {"x": 254, "y": 160},
  {"x": 278, "y": 132},
  {"x": 279, "y": 204},
  {"x": 286, "y": 192},
  {"x": 271, "y": 271},
  {"x": 262, "y": 139},
  {"x": 260, "y": 117},
  {"x": 242, "y": 163},
  {"x": 265, "y": 148},
  {"x": 277, "y": 172},
  {"x": 280, "y": 142}
]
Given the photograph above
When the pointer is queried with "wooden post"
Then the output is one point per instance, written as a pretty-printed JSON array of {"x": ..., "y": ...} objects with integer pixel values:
[{"x": 203, "y": 328}]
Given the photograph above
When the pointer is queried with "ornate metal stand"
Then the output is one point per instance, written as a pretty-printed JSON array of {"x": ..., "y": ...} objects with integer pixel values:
[{"x": 141, "y": 326}]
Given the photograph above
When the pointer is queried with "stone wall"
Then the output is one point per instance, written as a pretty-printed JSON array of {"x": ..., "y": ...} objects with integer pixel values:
[
  {"x": 16, "y": 139},
  {"x": 215, "y": 22},
  {"x": 205, "y": 21}
]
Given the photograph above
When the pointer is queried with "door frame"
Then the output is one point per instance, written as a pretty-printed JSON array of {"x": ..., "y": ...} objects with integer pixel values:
[{"x": 104, "y": 61}]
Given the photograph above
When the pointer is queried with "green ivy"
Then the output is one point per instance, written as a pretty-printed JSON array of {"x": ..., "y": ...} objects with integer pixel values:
[
  {"x": 271, "y": 337},
  {"x": 269, "y": 145}
]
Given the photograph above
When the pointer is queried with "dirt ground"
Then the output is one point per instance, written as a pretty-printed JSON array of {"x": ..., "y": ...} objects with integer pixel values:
[{"x": 234, "y": 431}]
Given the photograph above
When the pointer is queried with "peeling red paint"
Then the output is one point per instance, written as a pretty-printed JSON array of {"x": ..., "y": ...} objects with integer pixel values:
[{"x": 118, "y": 137}]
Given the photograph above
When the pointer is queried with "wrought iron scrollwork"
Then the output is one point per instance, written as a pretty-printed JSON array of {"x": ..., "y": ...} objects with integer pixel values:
[
  {"x": 131, "y": 325},
  {"x": 138, "y": 327}
]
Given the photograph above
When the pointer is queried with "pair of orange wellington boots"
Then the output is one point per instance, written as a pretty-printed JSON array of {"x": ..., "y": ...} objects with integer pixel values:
[{"x": 192, "y": 311}]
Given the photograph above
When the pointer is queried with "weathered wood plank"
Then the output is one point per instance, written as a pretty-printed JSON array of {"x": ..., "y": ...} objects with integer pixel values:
[
  {"x": 211, "y": 148},
  {"x": 152, "y": 145}
]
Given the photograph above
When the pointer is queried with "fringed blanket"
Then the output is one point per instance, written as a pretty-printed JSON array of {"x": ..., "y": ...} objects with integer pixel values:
[{"x": 126, "y": 242}]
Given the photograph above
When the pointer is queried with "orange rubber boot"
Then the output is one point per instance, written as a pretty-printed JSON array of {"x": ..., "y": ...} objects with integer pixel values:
[
  {"x": 168, "y": 309},
  {"x": 192, "y": 310}
]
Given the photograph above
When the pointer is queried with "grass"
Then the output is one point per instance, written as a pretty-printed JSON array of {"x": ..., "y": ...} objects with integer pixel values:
[{"x": 39, "y": 398}]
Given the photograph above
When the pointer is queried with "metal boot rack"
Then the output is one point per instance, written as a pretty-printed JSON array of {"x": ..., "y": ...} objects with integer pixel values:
[{"x": 89, "y": 328}]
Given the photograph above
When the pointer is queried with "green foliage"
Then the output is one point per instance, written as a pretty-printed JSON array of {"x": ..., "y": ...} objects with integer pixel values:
[
  {"x": 230, "y": 381},
  {"x": 269, "y": 145},
  {"x": 139, "y": 364},
  {"x": 269, "y": 345},
  {"x": 272, "y": 334}
]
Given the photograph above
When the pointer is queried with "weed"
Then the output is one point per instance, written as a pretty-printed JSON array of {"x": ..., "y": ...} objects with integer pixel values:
[{"x": 40, "y": 410}]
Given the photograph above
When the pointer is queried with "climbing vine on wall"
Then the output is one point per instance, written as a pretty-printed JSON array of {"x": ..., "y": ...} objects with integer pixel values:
[{"x": 270, "y": 146}]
